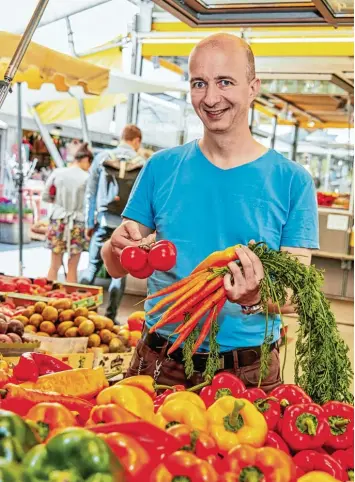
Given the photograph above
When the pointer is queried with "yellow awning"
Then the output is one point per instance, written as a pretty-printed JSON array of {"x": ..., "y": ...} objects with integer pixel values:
[
  {"x": 56, "y": 111},
  {"x": 42, "y": 65}
]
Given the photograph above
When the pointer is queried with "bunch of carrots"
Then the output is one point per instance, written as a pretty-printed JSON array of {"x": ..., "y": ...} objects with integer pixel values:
[{"x": 200, "y": 294}]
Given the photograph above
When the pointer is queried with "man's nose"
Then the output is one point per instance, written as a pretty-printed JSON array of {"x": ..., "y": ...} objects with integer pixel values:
[{"x": 212, "y": 96}]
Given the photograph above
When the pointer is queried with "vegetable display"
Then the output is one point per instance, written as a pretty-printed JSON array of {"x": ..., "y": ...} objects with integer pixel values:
[{"x": 322, "y": 365}]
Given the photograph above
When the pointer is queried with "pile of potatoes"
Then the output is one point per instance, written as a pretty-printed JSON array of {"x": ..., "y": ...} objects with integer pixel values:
[{"x": 57, "y": 319}]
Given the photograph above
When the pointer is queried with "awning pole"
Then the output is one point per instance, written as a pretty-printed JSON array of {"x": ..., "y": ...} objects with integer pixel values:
[
  {"x": 20, "y": 176},
  {"x": 274, "y": 127},
  {"x": 21, "y": 50}
]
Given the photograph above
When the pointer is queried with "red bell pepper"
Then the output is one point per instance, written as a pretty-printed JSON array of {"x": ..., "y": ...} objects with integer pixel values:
[
  {"x": 310, "y": 460},
  {"x": 268, "y": 406},
  {"x": 199, "y": 443},
  {"x": 274, "y": 440},
  {"x": 304, "y": 426},
  {"x": 346, "y": 460},
  {"x": 224, "y": 383},
  {"x": 341, "y": 423},
  {"x": 184, "y": 466},
  {"x": 291, "y": 394},
  {"x": 33, "y": 365},
  {"x": 157, "y": 442},
  {"x": 160, "y": 399}
]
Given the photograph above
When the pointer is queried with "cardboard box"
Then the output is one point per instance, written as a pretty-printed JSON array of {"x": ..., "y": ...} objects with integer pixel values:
[{"x": 59, "y": 345}]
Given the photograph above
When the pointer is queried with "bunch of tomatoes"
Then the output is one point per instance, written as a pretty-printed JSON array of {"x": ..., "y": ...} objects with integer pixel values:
[{"x": 142, "y": 261}]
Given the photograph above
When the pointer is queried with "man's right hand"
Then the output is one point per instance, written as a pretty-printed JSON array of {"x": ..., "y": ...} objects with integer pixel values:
[{"x": 127, "y": 234}]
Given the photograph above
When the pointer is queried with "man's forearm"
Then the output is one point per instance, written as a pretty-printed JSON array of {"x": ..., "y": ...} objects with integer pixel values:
[{"x": 112, "y": 261}]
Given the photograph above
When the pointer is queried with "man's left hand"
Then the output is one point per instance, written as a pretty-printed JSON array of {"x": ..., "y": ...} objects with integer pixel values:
[{"x": 243, "y": 287}]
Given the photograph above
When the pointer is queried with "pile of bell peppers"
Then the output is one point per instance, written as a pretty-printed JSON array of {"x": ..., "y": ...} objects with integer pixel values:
[{"x": 136, "y": 430}]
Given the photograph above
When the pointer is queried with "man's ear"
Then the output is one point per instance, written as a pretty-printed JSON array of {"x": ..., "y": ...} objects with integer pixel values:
[{"x": 254, "y": 89}]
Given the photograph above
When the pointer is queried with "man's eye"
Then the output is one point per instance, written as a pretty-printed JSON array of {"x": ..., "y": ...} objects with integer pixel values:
[
  {"x": 199, "y": 85},
  {"x": 225, "y": 83}
]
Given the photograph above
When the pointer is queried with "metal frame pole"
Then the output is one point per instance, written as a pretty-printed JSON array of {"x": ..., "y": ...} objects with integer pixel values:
[
  {"x": 274, "y": 128},
  {"x": 20, "y": 176},
  {"x": 16, "y": 60},
  {"x": 295, "y": 142}
]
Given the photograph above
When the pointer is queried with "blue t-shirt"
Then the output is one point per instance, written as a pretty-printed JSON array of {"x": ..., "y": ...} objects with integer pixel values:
[{"x": 202, "y": 208}]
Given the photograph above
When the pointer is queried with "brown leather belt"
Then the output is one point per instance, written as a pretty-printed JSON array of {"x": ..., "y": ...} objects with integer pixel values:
[{"x": 245, "y": 356}]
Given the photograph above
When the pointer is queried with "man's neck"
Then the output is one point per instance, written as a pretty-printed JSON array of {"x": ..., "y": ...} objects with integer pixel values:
[{"x": 231, "y": 149}]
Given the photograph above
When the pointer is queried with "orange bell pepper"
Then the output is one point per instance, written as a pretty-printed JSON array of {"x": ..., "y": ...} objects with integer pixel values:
[
  {"x": 132, "y": 399},
  {"x": 46, "y": 417},
  {"x": 144, "y": 382},
  {"x": 133, "y": 457},
  {"x": 182, "y": 407},
  {"x": 218, "y": 259},
  {"x": 110, "y": 413},
  {"x": 233, "y": 421},
  {"x": 267, "y": 463},
  {"x": 317, "y": 476}
]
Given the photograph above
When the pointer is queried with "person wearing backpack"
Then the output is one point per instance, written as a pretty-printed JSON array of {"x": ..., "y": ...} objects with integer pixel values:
[{"x": 111, "y": 179}]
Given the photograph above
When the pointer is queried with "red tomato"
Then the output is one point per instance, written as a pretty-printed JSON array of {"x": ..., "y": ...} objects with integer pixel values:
[
  {"x": 23, "y": 287},
  {"x": 162, "y": 257},
  {"x": 133, "y": 258},
  {"x": 166, "y": 242},
  {"x": 40, "y": 282},
  {"x": 143, "y": 273},
  {"x": 9, "y": 287}
]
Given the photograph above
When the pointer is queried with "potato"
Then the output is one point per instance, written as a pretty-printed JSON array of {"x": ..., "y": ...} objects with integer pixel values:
[
  {"x": 61, "y": 304},
  {"x": 104, "y": 348},
  {"x": 41, "y": 333},
  {"x": 86, "y": 328},
  {"x": 94, "y": 340},
  {"x": 81, "y": 312},
  {"x": 99, "y": 321},
  {"x": 14, "y": 337},
  {"x": 15, "y": 326},
  {"x": 24, "y": 320},
  {"x": 29, "y": 311},
  {"x": 116, "y": 346},
  {"x": 3, "y": 327},
  {"x": 30, "y": 329},
  {"x": 36, "y": 320},
  {"x": 79, "y": 320},
  {"x": 72, "y": 332},
  {"x": 64, "y": 326},
  {"x": 5, "y": 339},
  {"x": 66, "y": 315},
  {"x": 47, "y": 327},
  {"x": 50, "y": 314},
  {"x": 106, "y": 336},
  {"x": 39, "y": 306}
]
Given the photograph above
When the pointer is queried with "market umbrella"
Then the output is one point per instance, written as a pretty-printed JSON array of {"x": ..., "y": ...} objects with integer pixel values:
[{"x": 41, "y": 65}]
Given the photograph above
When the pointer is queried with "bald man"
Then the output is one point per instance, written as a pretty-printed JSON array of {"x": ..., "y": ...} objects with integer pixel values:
[{"x": 215, "y": 192}]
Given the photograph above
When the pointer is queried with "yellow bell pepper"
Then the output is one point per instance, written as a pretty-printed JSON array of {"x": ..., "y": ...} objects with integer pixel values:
[
  {"x": 144, "y": 382},
  {"x": 233, "y": 421},
  {"x": 186, "y": 396},
  {"x": 184, "y": 408},
  {"x": 317, "y": 476},
  {"x": 132, "y": 399}
]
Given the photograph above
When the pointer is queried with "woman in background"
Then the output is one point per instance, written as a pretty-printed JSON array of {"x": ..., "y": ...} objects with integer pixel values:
[{"x": 65, "y": 189}]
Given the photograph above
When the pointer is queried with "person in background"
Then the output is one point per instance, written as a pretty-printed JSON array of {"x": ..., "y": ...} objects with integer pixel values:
[
  {"x": 101, "y": 215},
  {"x": 65, "y": 189}
]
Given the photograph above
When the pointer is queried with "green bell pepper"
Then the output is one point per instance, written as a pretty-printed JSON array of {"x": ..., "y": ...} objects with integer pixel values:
[
  {"x": 74, "y": 455},
  {"x": 16, "y": 437},
  {"x": 10, "y": 472}
]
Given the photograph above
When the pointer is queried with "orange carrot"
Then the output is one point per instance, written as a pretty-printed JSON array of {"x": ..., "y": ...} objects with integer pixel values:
[
  {"x": 208, "y": 323},
  {"x": 196, "y": 316},
  {"x": 177, "y": 294},
  {"x": 175, "y": 286},
  {"x": 199, "y": 298}
]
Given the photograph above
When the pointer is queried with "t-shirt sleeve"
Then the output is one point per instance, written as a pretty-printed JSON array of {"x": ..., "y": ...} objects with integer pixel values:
[
  {"x": 301, "y": 229},
  {"x": 140, "y": 203}
]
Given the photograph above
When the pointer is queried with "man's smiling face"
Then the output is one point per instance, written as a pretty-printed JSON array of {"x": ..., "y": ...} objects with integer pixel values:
[{"x": 221, "y": 90}]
